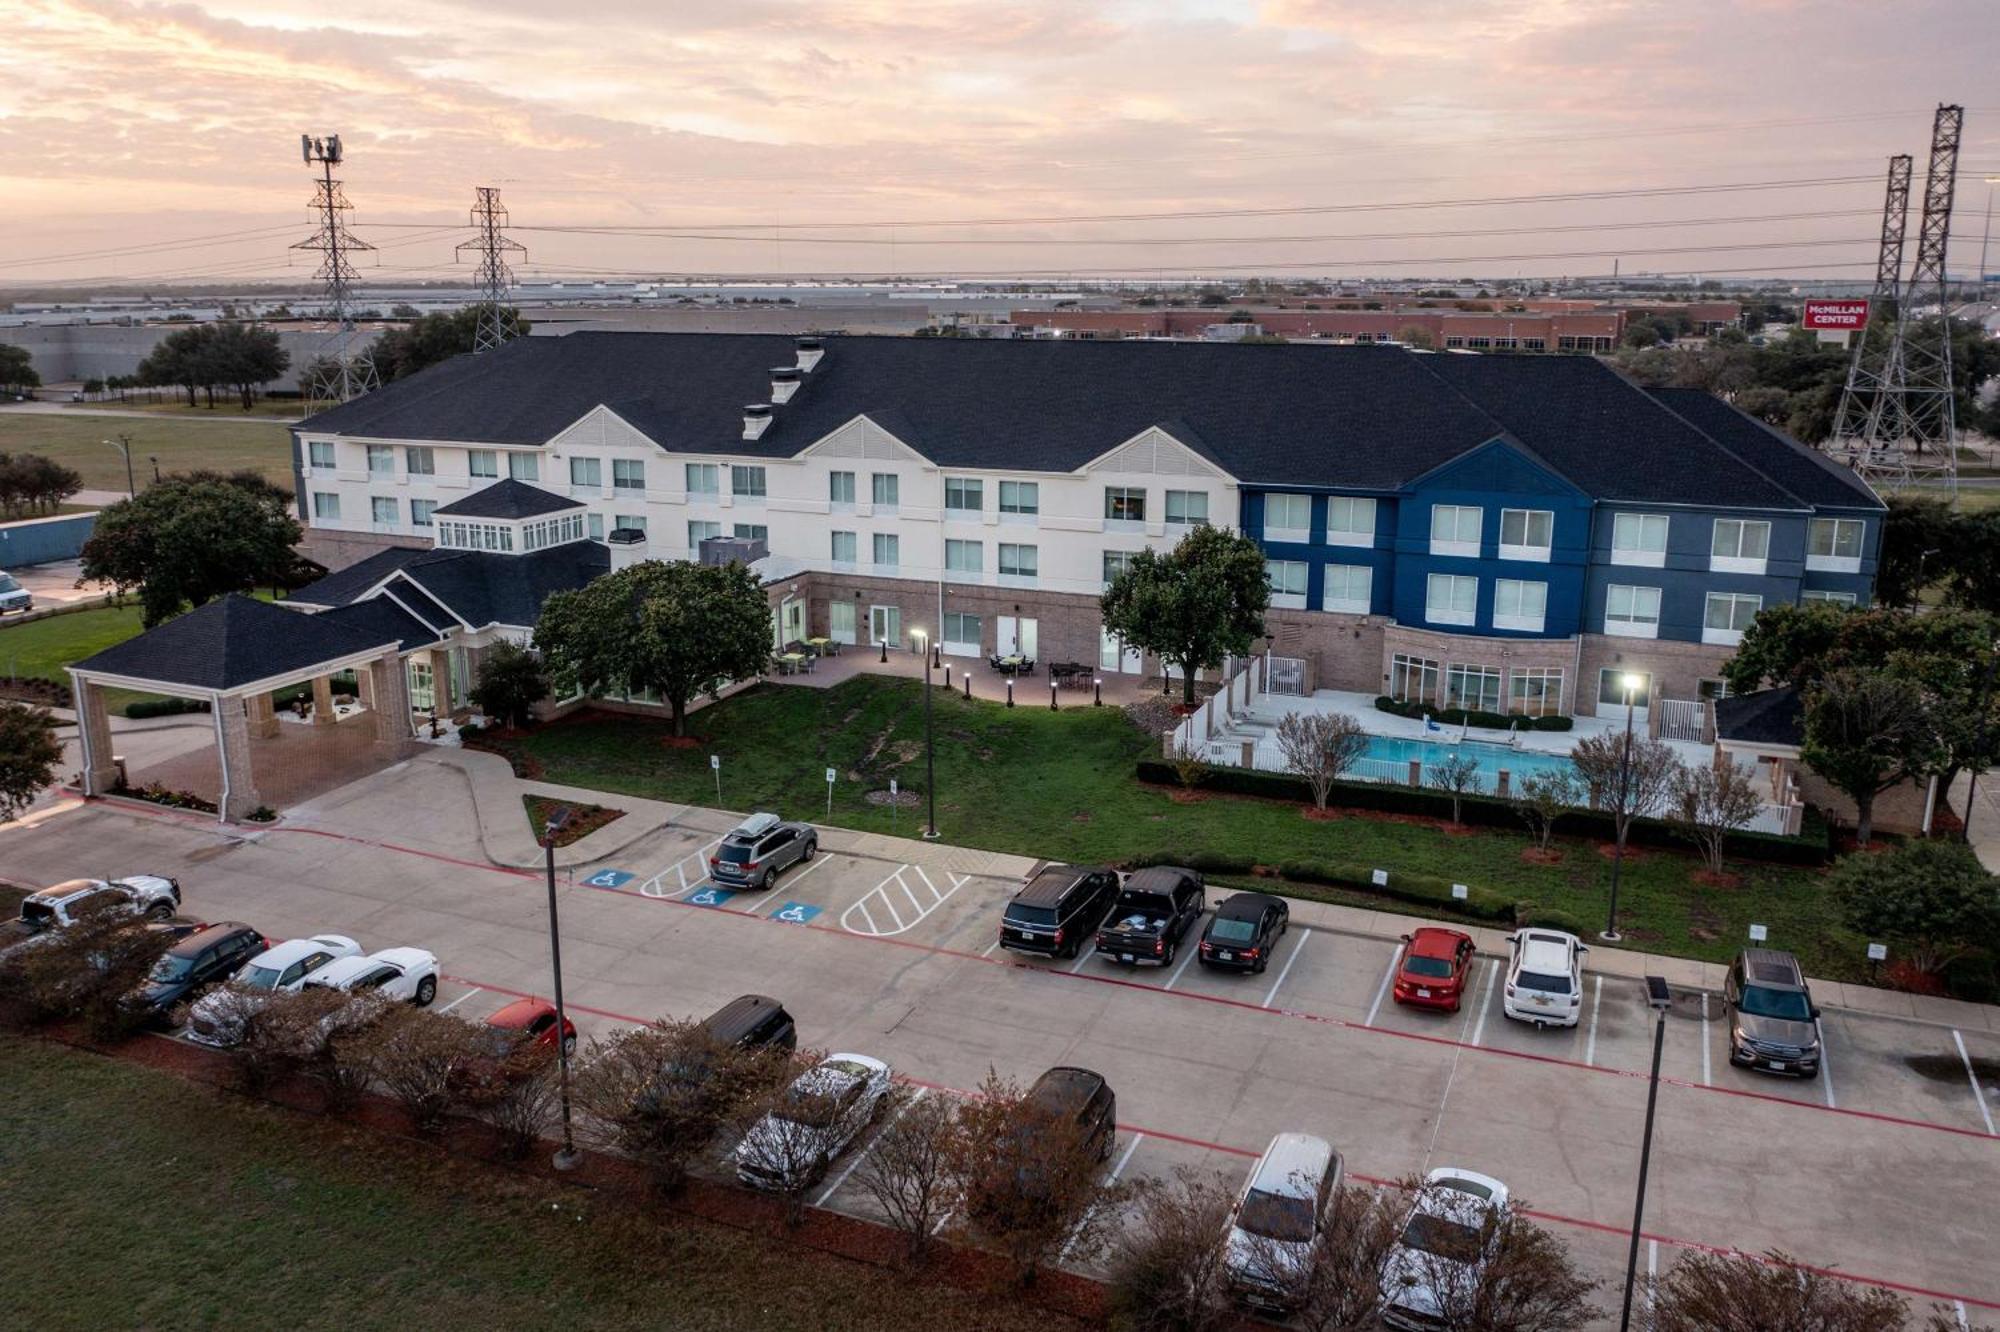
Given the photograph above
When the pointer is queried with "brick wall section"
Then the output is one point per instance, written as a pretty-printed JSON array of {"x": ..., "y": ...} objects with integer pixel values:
[
  {"x": 1340, "y": 651},
  {"x": 1677, "y": 668},
  {"x": 243, "y": 796},
  {"x": 1900, "y": 809},
  {"x": 390, "y": 688},
  {"x": 1067, "y": 624}
]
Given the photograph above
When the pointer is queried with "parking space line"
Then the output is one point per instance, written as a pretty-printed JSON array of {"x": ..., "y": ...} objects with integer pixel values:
[
  {"x": 928, "y": 884},
  {"x": 1485, "y": 1002},
  {"x": 862, "y": 907},
  {"x": 861, "y": 1155},
  {"x": 1978, "y": 1092},
  {"x": 1286, "y": 970},
  {"x": 817, "y": 862},
  {"x": 1825, "y": 1066},
  {"x": 1706, "y": 1079},
  {"x": 1388, "y": 975},
  {"x": 990, "y": 948},
  {"x": 1193, "y": 953},
  {"x": 881, "y": 896},
  {"x": 461, "y": 999},
  {"x": 1088, "y": 953},
  {"x": 1596, "y": 1002},
  {"x": 1652, "y": 1280},
  {"x": 1091, "y": 1211},
  {"x": 915, "y": 905}
]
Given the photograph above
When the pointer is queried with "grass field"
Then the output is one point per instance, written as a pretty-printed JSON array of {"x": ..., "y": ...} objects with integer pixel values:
[
  {"x": 1061, "y": 785},
  {"x": 139, "y": 1200},
  {"x": 181, "y": 445},
  {"x": 39, "y": 649},
  {"x": 281, "y": 409}
]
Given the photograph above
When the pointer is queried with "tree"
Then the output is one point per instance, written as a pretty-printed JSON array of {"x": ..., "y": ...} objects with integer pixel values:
[
  {"x": 184, "y": 543},
  {"x": 907, "y": 1170},
  {"x": 1203, "y": 600},
  {"x": 418, "y": 1058},
  {"x": 511, "y": 682},
  {"x": 1455, "y": 774},
  {"x": 1167, "y": 1270},
  {"x": 1416, "y": 335},
  {"x": 1713, "y": 1292},
  {"x": 1544, "y": 796},
  {"x": 1866, "y": 730},
  {"x": 1319, "y": 746},
  {"x": 29, "y": 755},
  {"x": 1917, "y": 549},
  {"x": 85, "y": 969},
  {"x": 1600, "y": 760},
  {"x": 226, "y": 354},
  {"x": 1931, "y": 898},
  {"x": 1706, "y": 803},
  {"x": 17, "y": 369},
  {"x": 677, "y": 629},
  {"x": 31, "y": 483},
  {"x": 400, "y": 352}
]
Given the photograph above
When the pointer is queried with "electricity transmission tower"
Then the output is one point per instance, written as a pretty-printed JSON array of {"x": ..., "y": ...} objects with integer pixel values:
[
  {"x": 1897, "y": 423},
  {"x": 489, "y": 217},
  {"x": 339, "y": 372}
]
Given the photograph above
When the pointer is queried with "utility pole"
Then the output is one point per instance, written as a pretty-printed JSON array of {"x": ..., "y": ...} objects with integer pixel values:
[
  {"x": 339, "y": 372},
  {"x": 492, "y": 245},
  {"x": 124, "y": 445}
]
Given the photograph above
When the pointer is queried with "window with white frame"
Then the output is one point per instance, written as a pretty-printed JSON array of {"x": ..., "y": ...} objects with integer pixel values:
[
  {"x": 383, "y": 510},
  {"x": 961, "y": 634},
  {"x": 1833, "y": 545},
  {"x": 964, "y": 494},
  {"x": 524, "y": 467},
  {"x": 326, "y": 504},
  {"x": 704, "y": 480},
  {"x": 1347, "y": 587},
  {"x": 1020, "y": 497},
  {"x": 1125, "y": 504},
  {"x": 1455, "y": 529},
  {"x": 1287, "y": 517},
  {"x": 636, "y": 522},
  {"x": 846, "y": 548},
  {"x": 1824, "y": 595},
  {"x": 1288, "y": 583},
  {"x": 628, "y": 474},
  {"x": 1632, "y": 612},
  {"x": 1474, "y": 688},
  {"x": 1639, "y": 539},
  {"x": 381, "y": 460},
  {"x": 746, "y": 482},
  {"x": 1536, "y": 691},
  {"x": 752, "y": 532},
  {"x": 1115, "y": 562},
  {"x": 586, "y": 473},
  {"x": 1527, "y": 534},
  {"x": 839, "y": 488},
  {"x": 1413, "y": 679},
  {"x": 419, "y": 460},
  {"x": 1019, "y": 561},
  {"x": 1739, "y": 545},
  {"x": 1613, "y": 689},
  {"x": 1519, "y": 605},
  {"x": 887, "y": 550},
  {"x": 1727, "y": 615},
  {"x": 964, "y": 557},
  {"x": 319, "y": 453},
  {"x": 1451, "y": 599},
  {"x": 594, "y": 523},
  {"x": 1187, "y": 508},
  {"x": 883, "y": 489},
  {"x": 698, "y": 532},
  {"x": 482, "y": 462},
  {"x": 1350, "y": 521},
  {"x": 421, "y": 511}
]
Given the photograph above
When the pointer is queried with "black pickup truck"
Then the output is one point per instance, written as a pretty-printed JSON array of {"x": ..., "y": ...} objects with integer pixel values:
[{"x": 1154, "y": 910}]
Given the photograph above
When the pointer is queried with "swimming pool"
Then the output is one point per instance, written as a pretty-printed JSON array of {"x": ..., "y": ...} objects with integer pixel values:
[{"x": 1387, "y": 758}]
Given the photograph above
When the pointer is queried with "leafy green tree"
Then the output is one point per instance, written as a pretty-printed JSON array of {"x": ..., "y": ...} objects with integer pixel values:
[
  {"x": 31, "y": 483},
  {"x": 1932, "y": 898},
  {"x": 676, "y": 629},
  {"x": 401, "y": 352},
  {"x": 204, "y": 357},
  {"x": 1867, "y": 730},
  {"x": 1918, "y": 536},
  {"x": 1201, "y": 601},
  {"x": 29, "y": 753},
  {"x": 17, "y": 369},
  {"x": 185, "y": 542},
  {"x": 511, "y": 681}
]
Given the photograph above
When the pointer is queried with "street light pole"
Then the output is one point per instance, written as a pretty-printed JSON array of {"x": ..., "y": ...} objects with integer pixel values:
[
  {"x": 1657, "y": 996},
  {"x": 930, "y": 745},
  {"x": 124, "y": 445},
  {"x": 566, "y": 1157},
  {"x": 1610, "y": 932}
]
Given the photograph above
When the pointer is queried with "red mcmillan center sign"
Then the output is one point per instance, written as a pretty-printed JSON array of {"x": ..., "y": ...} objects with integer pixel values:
[{"x": 1835, "y": 316}]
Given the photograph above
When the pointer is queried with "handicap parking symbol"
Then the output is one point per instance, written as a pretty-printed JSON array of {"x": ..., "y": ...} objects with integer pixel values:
[
  {"x": 795, "y": 913},
  {"x": 609, "y": 878},
  {"x": 713, "y": 897}
]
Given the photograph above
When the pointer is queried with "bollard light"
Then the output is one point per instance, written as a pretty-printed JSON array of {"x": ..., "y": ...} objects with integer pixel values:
[
  {"x": 1097, "y": 684},
  {"x": 1052, "y": 694},
  {"x": 1010, "y": 691},
  {"x": 968, "y": 686}
]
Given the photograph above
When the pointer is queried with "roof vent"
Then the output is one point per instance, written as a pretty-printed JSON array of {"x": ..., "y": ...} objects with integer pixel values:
[
  {"x": 756, "y": 420},
  {"x": 810, "y": 350},
  {"x": 628, "y": 547},
  {"x": 784, "y": 382}
]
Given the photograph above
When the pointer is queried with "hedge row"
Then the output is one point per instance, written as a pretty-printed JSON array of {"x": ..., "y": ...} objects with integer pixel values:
[
  {"x": 1492, "y": 721},
  {"x": 1813, "y": 846},
  {"x": 164, "y": 707}
]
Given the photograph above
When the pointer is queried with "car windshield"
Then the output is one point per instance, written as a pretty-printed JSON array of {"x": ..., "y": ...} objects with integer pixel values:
[
  {"x": 1788, "y": 1005},
  {"x": 259, "y": 978},
  {"x": 1543, "y": 981},
  {"x": 1233, "y": 931},
  {"x": 810, "y": 1109},
  {"x": 734, "y": 853},
  {"x": 1442, "y": 1236},
  {"x": 1276, "y": 1216},
  {"x": 8, "y": 584},
  {"x": 1428, "y": 966},
  {"x": 171, "y": 968}
]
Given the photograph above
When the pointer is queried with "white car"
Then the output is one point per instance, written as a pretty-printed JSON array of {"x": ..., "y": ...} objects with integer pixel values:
[
  {"x": 1545, "y": 978},
  {"x": 58, "y": 906},
  {"x": 1280, "y": 1219},
  {"x": 14, "y": 597},
  {"x": 822, "y": 1113},
  {"x": 1437, "y": 1260},
  {"x": 218, "y": 1018},
  {"x": 394, "y": 973}
]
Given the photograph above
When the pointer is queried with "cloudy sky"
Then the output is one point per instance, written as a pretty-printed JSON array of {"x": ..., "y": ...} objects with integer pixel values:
[{"x": 1001, "y": 137}]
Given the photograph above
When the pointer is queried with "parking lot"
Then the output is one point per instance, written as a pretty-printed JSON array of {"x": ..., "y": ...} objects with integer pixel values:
[{"x": 1884, "y": 1168}]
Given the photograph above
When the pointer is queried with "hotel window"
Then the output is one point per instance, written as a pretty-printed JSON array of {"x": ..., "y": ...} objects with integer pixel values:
[
  {"x": 1536, "y": 692},
  {"x": 1349, "y": 588},
  {"x": 1019, "y": 561},
  {"x": 839, "y": 487},
  {"x": 326, "y": 504},
  {"x": 419, "y": 460},
  {"x": 1451, "y": 599},
  {"x": 703, "y": 480},
  {"x": 1020, "y": 497},
  {"x": 697, "y": 532},
  {"x": 381, "y": 460},
  {"x": 746, "y": 482},
  {"x": 594, "y": 523},
  {"x": 884, "y": 488},
  {"x": 482, "y": 462},
  {"x": 1350, "y": 521},
  {"x": 1287, "y": 517},
  {"x": 1834, "y": 544},
  {"x": 964, "y": 557},
  {"x": 628, "y": 474},
  {"x": 1288, "y": 583},
  {"x": 1125, "y": 504},
  {"x": 383, "y": 510},
  {"x": 1526, "y": 534},
  {"x": 1519, "y": 605},
  {"x": 1740, "y": 545},
  {"x": 1413, "y": 679},
  {"x": 1727, "y": 615},
  {"x": 1611, "y": 691},
  {"x": 1187, "y": 508},
  {"x": 753, "y": 532},
  {"x": 1455, "y": 529},
  {"x": 1474, "y": 688},
  {"x": 1814, "y": 594},
  {"x": 961, "y": 633},
  {"x": 587, "y": 473},
  {"x": 1115, "y": 562},
  {"x": 524, "y": 467},
  {"x": 845, "y": 548},
  {"x": 1632, "y": 612},
  {"x": 964, "y": 494},
  {"x": 887, "y": 550},
  {"x": 1639, "y": 538},
  {"x": 319, "y": 453},
  {"x": 421, "y": 511},
  {"x": 636, "y": 522}
]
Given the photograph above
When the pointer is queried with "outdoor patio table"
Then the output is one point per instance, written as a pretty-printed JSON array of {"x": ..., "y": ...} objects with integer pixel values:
[{"x": 790, "y": 661}]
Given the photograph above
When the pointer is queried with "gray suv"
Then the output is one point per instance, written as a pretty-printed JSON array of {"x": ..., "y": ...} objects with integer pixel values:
[
  {"x": 1773, "y": 1024},
  {"x": 756, "y": 849}
]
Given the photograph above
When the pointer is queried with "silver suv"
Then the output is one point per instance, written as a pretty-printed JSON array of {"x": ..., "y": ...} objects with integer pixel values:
[
  {"x": 756, "y": 849},
  {"x": 1773, "y": 1024}
]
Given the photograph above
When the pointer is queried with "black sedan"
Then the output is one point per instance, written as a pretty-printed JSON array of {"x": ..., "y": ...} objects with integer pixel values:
[
  {"x": 1244, "y": 931},
  {"x": 210, "y": 954}
]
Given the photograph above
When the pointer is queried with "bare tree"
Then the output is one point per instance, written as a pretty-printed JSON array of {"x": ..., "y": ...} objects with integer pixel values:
[
  {"x": 1319, "y": 747},
  {"x": 1707, "y": 803},
  {"x": 1465, "y": 1267},
  {"x": 1167, "y": 1266},
  {"x": 795, "y": 1129},
  {"x": 282, "y": 1033},
  {"x": 1341, "y": 1291},
  {"x": 418, "y": 1059},
  {"x": 1543, "y": 797},
  {"x": 1602, "y": 764},
  {"x": 1454, "y": 774},
  {"x": 84, "y": 970},
  {"x": 907, "y": 1170},
  {"x": 1710, "y": 1292},
  {"x": 524, "y": 1105}
]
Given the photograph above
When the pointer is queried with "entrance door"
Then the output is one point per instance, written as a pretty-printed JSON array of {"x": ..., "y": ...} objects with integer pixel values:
[
  {"x": 1019, "y": 637},
  {"x": 885, "y": 625},
  {"x": 1611, "y": 694},
  {"x": 840, "y": 623},
  {"x": 795, "y": 621},
  {"x": 1110, "y": 658},
  {"x": 423, "y": 690}
]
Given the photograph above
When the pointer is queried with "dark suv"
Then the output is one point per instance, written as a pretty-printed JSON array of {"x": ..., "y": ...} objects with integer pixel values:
[
  {"x": 1083, "y": 1096},
  {"x": 1773, "y": 1024},
  {"x": 1057, "y": 909},
  {"x": 755, "y": 850},
  {"x": 202, "y": 958},
  {"x": 750, "y": 1020}
]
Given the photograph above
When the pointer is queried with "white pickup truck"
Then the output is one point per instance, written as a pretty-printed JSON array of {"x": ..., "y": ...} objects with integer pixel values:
[{"x": 58, "y": 907}]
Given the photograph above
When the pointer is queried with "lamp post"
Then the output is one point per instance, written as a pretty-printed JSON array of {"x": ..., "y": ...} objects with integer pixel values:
[
  {"x": 1657, "y": 996},
  {"x": 930, "y": 742},
  {"x": 566, "y": 1157},
  {"x": 1631, "y": 682},
  {"x": 124, "y": 446}
]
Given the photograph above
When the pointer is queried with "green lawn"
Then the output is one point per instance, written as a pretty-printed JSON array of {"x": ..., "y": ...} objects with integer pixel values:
[
  {"x": 282, "y": 409},
  {"x": 77, "y": 441},
  {"x": 1061, "y": 785},
  {"x": 134, "y": 1199},
  {"x": 40, "y": 649}
]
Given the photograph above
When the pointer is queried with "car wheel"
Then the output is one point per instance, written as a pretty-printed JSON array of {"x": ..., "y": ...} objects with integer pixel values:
[
  {"x": 427, "y": 990},
  {"x": 160, "y": 911},
  {"x": 812, "y": 849},
  {"x": 1173, "y": 950}
]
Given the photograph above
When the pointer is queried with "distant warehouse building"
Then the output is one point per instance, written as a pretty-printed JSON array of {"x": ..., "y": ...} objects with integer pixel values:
[{"x": 1597, "y": 331}]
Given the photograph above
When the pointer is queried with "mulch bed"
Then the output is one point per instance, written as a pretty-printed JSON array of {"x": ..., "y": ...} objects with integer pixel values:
[
  {"x": 1708, "y": 878},
  {"x": 583, "y": 819},
  {"x": 1536, "y": 855},
  {"x": 1609, "y": 850}
]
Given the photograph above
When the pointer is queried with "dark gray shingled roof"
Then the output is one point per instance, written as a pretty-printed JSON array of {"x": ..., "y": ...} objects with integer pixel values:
[
  {"x": 384, "y": 620},
  {"x": 344, "y": 585},
  {"x": 1767, "y": 717},
  {"x": 480, "y": 587},
  {"x": 235, "y": 640},
  {"x": 508, "y": 498},
  {"x": 1360, "y": 417},
  {"x": 1805, "y": 472}
]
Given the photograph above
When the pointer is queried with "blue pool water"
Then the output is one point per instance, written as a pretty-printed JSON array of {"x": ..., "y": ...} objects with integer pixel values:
[{"x": 1492, "y": 758}]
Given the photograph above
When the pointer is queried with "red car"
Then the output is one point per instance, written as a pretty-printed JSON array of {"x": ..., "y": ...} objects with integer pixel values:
[
  {"x": 1435, "y": 962},
  {"x": 537, "y": 1017}
]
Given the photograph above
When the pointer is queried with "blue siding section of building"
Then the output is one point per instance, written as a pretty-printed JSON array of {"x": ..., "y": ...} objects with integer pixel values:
[{"x": 44, "y": 540}]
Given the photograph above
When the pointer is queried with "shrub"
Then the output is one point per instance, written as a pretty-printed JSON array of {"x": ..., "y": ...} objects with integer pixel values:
[
  {"x": 1553, "y": 723},
  {"x": 906, "y": 1170},
  {"x": 1528, "y": 915},
  {"x": 282, "y": 1033},
  {"x": 511, "y": 681},
  {"x": 84, "y": 970},
  {"x": 1167, "y": 1271},
  {"x": 418, "y": 1059},
  {"x": 1422, "y": 889},
  {"x": 1704, "y": 1291},
  {"x": 140, "y": 708}
]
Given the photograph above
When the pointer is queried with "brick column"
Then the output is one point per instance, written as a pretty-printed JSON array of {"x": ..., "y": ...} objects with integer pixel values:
[
  {"x": 365, "y": 685},
  {"x": 323, "y": 701},
  {"x": 263, "y": 717},
  {"x": 390, "y": 689},
  {"x": 236, "y": 760},
  {"x": 102, "y": 774}
]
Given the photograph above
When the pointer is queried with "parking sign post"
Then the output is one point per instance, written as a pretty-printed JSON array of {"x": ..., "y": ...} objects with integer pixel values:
[
  {"x": 829, "y": 793},
  {"x": 715, "y": 762}
]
